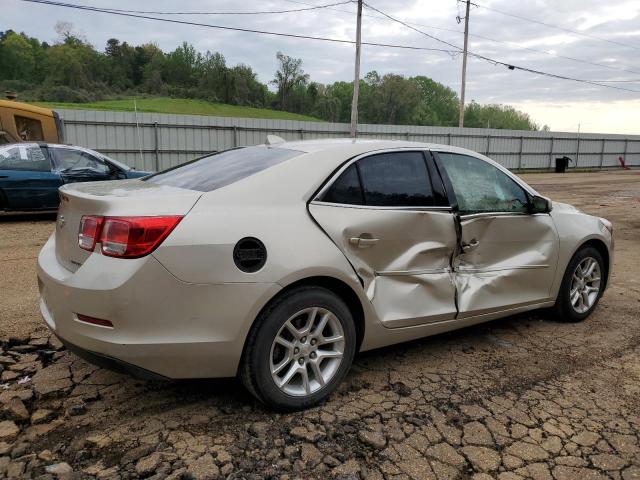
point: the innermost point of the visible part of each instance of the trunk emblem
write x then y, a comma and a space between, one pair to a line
61, 221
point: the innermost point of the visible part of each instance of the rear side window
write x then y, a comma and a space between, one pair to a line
346, 189
24, 157
215, 171
395, 179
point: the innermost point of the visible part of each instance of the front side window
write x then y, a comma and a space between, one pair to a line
68, 160
482, 188
215, 171
24, 157
395, 179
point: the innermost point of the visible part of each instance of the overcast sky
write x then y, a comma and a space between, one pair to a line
560, 104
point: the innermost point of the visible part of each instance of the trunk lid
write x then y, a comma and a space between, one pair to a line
112, 198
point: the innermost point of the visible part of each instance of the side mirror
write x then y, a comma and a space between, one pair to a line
541, 204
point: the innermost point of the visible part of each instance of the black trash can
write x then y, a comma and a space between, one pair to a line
562, 163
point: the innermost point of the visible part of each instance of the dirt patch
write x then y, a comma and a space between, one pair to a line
522, 397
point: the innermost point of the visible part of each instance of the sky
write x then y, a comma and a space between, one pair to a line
608, 35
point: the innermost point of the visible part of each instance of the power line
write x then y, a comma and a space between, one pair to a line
498, 62
549, 25
483, 37
455, 50
266, 12
236, 29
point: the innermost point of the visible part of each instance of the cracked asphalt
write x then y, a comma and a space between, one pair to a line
521, 397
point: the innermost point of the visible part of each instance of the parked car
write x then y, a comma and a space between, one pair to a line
31, 173
279, 262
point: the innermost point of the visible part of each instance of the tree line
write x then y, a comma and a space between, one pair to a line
72, 70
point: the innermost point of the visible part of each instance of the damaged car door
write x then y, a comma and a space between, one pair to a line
388, 214
508, 254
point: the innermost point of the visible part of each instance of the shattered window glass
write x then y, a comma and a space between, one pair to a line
482, 188
24, 157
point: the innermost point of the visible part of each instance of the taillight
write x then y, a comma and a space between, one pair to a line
129, 237
89, 232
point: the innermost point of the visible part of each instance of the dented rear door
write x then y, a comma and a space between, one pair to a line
507, 257
388, 218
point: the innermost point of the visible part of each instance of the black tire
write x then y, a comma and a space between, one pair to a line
255, 372
563, 310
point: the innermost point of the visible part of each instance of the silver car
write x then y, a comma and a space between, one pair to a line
277, 263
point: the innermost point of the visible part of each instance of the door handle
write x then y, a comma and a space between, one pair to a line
363, 241
468, 246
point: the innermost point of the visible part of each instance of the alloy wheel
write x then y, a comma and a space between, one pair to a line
585, 285
307, 351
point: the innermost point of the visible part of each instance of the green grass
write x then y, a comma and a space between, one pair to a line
181, 106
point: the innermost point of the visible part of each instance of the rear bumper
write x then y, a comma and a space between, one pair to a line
161, 325
111, 363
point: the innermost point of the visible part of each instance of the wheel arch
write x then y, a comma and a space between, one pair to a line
603, 250
338, 287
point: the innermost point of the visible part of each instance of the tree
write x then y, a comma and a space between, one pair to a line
288, 76
17, 58
497, 116
438, 104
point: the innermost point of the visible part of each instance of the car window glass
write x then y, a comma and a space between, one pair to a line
24, 157
480, 187
68, 160
346, 189
29, 129
396, 179
215, 171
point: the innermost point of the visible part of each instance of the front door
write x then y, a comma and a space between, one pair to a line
387, 214
507, 257
79, 166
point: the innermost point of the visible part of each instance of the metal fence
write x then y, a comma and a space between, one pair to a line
150, 141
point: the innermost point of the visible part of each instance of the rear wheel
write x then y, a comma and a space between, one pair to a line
300, 349
581, 287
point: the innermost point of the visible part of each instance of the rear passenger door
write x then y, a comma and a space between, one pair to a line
388, 214
26, 179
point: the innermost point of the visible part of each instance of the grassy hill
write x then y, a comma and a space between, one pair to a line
182, 106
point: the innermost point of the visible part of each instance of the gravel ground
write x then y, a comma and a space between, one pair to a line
522, 397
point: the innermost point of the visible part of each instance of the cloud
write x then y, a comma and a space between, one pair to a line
326, 62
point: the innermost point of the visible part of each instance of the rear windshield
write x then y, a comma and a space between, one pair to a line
215, 171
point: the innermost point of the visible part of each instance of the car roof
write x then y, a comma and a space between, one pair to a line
365, 145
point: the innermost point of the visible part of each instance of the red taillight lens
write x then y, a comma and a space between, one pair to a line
89, 232
131, 237
94, 321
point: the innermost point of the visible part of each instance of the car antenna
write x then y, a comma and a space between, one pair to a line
273, 140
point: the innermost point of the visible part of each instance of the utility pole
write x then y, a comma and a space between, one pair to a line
356, 82
464, 64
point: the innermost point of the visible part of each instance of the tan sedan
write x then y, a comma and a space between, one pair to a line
277, 263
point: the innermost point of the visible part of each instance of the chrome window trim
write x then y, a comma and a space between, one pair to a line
471, 216
379, 207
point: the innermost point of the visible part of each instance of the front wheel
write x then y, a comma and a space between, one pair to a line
300, 349
581, 286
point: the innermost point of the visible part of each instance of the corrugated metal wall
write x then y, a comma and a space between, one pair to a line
154, 141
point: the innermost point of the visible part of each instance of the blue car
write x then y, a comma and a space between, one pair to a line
31, 173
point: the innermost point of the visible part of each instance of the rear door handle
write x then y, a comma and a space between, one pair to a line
468, 246
363, 242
